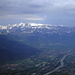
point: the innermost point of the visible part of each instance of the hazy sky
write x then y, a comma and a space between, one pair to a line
54, 12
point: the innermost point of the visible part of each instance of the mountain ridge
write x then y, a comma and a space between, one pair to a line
12, 50
34, 28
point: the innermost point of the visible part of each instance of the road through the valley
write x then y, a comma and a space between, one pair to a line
60, 66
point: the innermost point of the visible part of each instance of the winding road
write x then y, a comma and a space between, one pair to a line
61, 65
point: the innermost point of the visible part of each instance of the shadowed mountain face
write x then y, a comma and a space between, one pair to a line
11, 50
34, 35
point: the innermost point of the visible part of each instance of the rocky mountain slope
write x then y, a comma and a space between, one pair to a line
36, 28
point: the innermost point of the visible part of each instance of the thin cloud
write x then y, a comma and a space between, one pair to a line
32, 6
9, 9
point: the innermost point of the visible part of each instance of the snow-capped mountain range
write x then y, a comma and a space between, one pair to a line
34, 28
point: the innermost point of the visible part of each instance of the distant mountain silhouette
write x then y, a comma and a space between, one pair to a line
11, 50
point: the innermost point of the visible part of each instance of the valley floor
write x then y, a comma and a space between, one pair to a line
45, 63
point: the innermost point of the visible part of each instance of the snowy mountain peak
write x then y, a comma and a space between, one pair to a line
34, 28
33, 25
